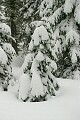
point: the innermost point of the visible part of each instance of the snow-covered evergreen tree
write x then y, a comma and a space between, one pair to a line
6, 51
64, 21
14, 19
38, 66
29, 13
54, 36
62, 24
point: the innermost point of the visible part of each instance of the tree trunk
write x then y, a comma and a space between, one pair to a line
13, 33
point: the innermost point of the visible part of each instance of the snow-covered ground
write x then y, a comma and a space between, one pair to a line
64, 106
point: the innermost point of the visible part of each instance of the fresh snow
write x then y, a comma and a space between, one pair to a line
24, 86
8, 48
16, 64
4, 28
69, 5
3, 56
77, 12
73, 37
36, 85
45, 7
73, 55
39, 34
54, 18
40, 56
17, 61
2, 16
64, 106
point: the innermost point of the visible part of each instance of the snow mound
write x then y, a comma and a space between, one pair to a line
39, 34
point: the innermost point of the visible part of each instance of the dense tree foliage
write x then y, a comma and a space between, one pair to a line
14, 19
62, 17
6, 52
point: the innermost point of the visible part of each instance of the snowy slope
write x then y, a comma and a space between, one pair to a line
65, 106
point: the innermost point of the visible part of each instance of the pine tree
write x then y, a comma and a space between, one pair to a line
38, 67
14, 19
54, 37
29, 13
65, 24
63, 17
6, 52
